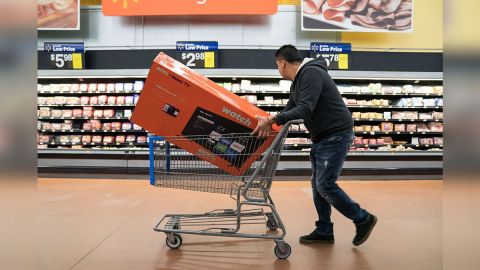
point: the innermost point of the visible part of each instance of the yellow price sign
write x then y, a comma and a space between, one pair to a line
343, 61
77, 61
209, 59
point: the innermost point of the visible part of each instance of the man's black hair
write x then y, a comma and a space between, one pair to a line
288, 53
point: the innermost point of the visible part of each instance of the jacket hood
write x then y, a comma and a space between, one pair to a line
318, 62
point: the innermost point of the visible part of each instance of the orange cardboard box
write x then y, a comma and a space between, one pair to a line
178, 101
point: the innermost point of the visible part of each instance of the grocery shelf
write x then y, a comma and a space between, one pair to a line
83, 118
397, 120
86, 93
92, 131
86, 105
95, 144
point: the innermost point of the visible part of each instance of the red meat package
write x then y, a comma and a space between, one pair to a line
107, 126
121, 100
358, 140
93, 100
98, 113
96, 124
120, 139
131, 138
400, 127
77, 112
108, 113
436, 127
141, 139
411, 128
87, 111
87, 126
86, 139
111, 100
84, 100
372, 141
380, 141
102, 100
116, 125
126, 126
92, 87
108, 139
67, 113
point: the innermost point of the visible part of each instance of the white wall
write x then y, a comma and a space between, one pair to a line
102, 32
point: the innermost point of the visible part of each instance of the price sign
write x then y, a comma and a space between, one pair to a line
335, 54
65, 55
198, 54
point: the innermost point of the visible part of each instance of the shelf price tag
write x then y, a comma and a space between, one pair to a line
197, 54
65, 55
335, 54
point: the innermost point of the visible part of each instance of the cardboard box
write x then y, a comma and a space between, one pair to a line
178, 101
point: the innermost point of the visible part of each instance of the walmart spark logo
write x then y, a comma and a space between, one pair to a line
125, 3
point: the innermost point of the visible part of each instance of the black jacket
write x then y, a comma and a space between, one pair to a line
314, 97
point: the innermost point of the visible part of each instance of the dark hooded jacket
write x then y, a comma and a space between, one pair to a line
315, 98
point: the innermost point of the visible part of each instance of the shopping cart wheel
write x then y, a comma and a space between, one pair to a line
282, 250
175, 241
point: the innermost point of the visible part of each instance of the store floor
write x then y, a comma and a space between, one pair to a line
107, 224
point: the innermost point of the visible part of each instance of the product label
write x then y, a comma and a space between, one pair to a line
221, 136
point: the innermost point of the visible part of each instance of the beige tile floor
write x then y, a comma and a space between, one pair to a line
107, 224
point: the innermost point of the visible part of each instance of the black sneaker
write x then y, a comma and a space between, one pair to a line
364, 229
315, 237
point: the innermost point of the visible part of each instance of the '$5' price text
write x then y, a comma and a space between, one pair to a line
60, 59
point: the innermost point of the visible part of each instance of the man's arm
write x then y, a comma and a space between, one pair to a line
309, 93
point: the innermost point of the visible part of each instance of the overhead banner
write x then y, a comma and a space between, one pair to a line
188, 7
58, 14
357, 15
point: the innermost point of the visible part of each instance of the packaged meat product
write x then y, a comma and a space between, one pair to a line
411, 128
111, 100
92, 87
138, 86
417, 101
371, 115
118, 113
439, 102
356, 115
437, 115
60, 100
87, 126
358, 128
375, 128
66, 126
98, 113
75, 87
438, 140
73, 100
429, 102
364, 116
438, 90
56, 126
387, 115
135, 99
351, 101
96, 124
42, 146
41, 101
426, 141
120, 139
372, 141
67, 113
65, 139
121, 100
387, 90
108, 139
127, 113
436, 127
76, 138
385, 102
43, 139
77, 112
55, 87
407, 89
426, 116
141, 139
83, 87
108, 113
411, 115
126, 126
137, 127
119, 87
365, 141
84, 100
409, 102
357, 140
102, 99
96, 139
101, 87
116, 125
377, 102
388, 140
110, 87
86, 139
131, 138
107, 126
93, 100
400, 127
380, 141
378, 116
50, 100
422, 127
367, 128
56, 113
44, 112
46, 125
128, 87
87, 111
398, 115
129, 100
386, 127
375, 87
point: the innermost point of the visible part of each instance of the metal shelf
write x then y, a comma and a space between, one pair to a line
86, 93
83, 118
91, 131
85, 105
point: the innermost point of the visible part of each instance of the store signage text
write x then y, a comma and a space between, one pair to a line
335, 54
197, 54
65, 55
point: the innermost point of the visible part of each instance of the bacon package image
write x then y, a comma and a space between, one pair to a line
178, 101
357, 15
58, 14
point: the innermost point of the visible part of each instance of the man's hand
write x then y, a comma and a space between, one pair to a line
264, 126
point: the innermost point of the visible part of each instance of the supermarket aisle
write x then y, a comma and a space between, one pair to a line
107, 224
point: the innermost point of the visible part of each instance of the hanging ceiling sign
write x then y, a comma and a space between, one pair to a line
188, 7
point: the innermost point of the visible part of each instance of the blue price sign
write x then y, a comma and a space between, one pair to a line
198, 54
65, 55
335, 54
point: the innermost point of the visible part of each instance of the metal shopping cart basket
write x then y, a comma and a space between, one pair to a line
172, 167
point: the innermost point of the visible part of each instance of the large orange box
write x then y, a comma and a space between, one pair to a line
178, 101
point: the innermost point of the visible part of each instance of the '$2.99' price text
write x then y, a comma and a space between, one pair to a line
60, 59
192, 57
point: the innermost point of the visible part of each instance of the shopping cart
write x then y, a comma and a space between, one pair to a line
172, 167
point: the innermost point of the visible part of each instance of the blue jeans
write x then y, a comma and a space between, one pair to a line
327, 157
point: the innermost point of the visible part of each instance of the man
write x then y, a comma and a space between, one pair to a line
314, 97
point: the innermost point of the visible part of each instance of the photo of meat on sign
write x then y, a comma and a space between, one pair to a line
357, 15
58, 14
